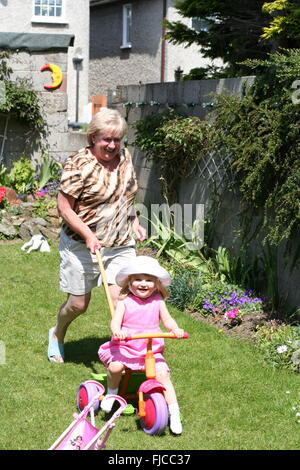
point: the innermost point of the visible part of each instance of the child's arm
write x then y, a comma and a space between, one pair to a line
169, 322
116, 322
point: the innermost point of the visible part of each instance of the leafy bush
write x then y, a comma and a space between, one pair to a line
280, 345
184, 287
24, 179
168, 244
23, 102
217, 298
49, 170
41, 206
4, 177
175, 142
261, 133
21, 176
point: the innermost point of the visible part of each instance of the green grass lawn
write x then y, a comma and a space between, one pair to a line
230, 399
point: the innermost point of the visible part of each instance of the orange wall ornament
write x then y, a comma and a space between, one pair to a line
56, 76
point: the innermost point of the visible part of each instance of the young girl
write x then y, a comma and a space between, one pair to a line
140, 309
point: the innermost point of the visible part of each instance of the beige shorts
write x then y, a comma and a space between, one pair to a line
79, 268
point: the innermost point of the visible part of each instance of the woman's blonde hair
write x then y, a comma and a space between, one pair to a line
106, 120
159, 287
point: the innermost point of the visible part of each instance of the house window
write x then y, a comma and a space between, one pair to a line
48, 11
127, 25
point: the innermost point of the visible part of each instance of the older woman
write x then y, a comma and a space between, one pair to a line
95, 201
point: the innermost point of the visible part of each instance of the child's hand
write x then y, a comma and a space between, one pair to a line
178, 332
120, 334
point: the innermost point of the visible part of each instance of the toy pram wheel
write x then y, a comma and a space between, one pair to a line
86, 392
156, 419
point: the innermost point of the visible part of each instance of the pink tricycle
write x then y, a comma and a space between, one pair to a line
82, 434
152, 406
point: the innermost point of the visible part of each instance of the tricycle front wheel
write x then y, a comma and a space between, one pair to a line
156, 419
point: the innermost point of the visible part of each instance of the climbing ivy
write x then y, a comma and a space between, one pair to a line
22, 101
174, 141
262, 133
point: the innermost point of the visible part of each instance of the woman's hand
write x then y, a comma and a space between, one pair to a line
139, 231
92, 243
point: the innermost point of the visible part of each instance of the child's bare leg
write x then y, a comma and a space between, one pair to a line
170, 394
171, 399
114, 374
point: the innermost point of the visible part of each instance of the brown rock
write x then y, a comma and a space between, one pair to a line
12, 197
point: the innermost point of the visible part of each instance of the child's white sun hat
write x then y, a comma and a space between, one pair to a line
143, 265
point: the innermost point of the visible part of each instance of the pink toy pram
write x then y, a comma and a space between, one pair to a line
83, 434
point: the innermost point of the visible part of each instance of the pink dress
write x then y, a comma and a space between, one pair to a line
140, 316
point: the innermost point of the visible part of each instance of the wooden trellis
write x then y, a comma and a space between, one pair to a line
216, 168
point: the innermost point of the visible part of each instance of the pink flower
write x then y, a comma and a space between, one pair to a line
232, 313
2, 193
41, 194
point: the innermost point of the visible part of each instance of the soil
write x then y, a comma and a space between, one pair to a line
245, 330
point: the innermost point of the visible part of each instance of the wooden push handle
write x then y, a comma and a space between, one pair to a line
105, 284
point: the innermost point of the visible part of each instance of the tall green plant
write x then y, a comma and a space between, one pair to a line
174, 246
23, 102
49, 170
21, 177
4, 177
176, 142
261, 133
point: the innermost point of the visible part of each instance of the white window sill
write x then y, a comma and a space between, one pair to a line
49, 20
125, 46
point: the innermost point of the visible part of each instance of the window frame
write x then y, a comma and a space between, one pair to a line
126, 26
50, 19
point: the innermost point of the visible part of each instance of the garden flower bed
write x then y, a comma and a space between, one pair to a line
22, 220
204, 293
28, 200
245, 330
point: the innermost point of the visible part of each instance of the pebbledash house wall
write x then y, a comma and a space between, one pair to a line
61, 140
148, 58
194, 98
16, 20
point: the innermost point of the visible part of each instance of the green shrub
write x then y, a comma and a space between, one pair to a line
280, 345
49, 171
21, 176
4, 177
41, 206
176, 142
260, 131
217, 298
184, 288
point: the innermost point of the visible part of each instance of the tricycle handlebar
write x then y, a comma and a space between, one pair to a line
151, 335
